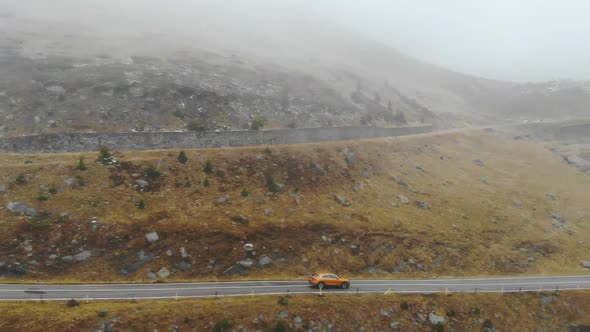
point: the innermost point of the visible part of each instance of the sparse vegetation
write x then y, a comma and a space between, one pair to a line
81, 164
21, 179
103, 313
271, 185
400, 117
41, 197
198, 126
268, 151
258, 122
439, 327
105, 157
152, 173
280, 326
72, 303
451, 313
28, 162
206, 182
208, 167
80, 181
52, 190
182, 158
476, 311
141, 204
488, 324
244, 193
404, 305
222, 325
283, 300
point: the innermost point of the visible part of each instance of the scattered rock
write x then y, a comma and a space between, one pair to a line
298, 321
151, 275
30, 212
394, 324
517, 204
484, 181
403, 199
184, 266
84, 255
264, 261
163, 273
304, 259
152, 237
341, 200
169, 253
143, 184
296, 198
183, 252
248, 247
435, 319
2, 188
53, 256
422, 205
349, 156
586, 264
17, 207
384, 313
478, 162
234, 269
421, 317
578, 162
547, 299
71, 181
161, 165
284, 314
246, 263
393, 204
551, 196
240, 219
29, 248
223, 200
67, 259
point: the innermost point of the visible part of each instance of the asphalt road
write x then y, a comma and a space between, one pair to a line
34, 292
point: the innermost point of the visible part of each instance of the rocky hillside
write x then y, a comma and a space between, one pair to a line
438, 312
389, 207
65, 75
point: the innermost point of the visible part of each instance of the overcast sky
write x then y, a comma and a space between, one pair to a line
519, 40
504, 39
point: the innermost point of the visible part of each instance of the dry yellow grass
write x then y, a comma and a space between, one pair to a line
473, 223
507, 312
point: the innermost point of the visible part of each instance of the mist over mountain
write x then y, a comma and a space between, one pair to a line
145, 65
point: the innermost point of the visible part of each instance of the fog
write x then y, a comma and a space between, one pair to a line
525, 40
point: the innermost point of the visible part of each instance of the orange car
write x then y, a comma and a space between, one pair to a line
324, 280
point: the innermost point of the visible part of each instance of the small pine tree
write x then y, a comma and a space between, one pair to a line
152, 173
208, 168
245, 193
206, 182
182, 158
72, 303
258, 122
81, 165
141, 204
20, 179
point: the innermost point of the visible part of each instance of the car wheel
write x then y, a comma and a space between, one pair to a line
344, 285
322, 285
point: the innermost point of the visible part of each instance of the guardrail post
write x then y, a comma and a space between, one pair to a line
519, 289
287, 292
87, 299
357, 291
475, 290
216, 293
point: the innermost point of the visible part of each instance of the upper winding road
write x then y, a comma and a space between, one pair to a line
28, 292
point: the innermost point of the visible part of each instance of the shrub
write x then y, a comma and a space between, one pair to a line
105, 157
280, 326
81, 164
197, 126
152, 173
187, 320
312, 165
103, 313
208, 167
72, 303
258, 122
476, 311
187, 183
42, 197
141, 204
222, 325
81, 181
206, 182
439, 327
271, 185
182, 158
21, 179
179, 114
292, 125
245, 193
488, 324
404, 305
268, 151
283, 301
451, 313
28, 162
52, 190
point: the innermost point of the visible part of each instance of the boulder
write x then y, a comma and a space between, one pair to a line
17, 207
143, 184
163, 273
517, 204
422, 205
298, 321
478, 162
151, 275
183, 252
284, 314
435, 319
394, 324
223, 200
30, 212
586, 264
246, 263
152, 237
2, 188
53, 256
403, 199
67, 258
384, 313
84, 255
264, 261
341, 200
578, 162
71, 181
184, 266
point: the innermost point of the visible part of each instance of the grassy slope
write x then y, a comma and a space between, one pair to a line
508, 312
473, 227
